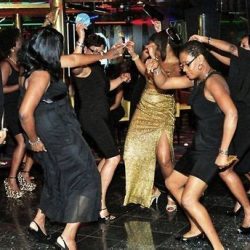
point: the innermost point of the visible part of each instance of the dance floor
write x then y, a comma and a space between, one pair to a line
134, 228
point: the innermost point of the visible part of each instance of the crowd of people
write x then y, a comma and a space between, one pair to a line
46, 129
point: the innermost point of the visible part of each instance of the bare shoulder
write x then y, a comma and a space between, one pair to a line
38, 77
216, 82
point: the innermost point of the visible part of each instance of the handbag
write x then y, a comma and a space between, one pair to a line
3, 131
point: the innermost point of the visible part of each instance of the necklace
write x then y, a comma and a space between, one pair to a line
12, 60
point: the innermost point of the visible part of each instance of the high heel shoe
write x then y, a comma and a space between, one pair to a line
155, 196
200, 236
25, 185
107, 217
10, 192
61, 243
37, 233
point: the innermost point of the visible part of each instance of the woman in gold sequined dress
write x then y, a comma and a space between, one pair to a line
150, 134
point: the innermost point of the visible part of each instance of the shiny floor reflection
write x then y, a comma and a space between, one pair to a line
134, 228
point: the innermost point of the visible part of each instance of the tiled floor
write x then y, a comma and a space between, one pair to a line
134, 228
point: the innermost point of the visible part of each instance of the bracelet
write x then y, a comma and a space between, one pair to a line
208, 39
38, 140
157, 71
80, 44
223, 152
135, 58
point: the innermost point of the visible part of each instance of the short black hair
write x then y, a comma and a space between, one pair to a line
194, 48
95, 40
8, 38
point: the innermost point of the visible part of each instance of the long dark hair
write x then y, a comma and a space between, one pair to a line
43, 52
8, 38
165, 37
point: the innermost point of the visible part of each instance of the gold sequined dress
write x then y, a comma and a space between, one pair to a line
154, 115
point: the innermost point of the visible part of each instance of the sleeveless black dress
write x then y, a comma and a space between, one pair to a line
11, 103
199, 159
71, 190
94, 110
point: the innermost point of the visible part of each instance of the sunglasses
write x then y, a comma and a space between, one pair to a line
95, 51
187, 64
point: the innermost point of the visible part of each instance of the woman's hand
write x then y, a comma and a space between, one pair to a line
221, 160
201, 39
80, 29
151, 65
157, 25
130, 45
37, 146
125, 77
151, 50
114, 52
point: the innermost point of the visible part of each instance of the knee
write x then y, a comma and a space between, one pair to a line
171, 185
115, 160
187, 201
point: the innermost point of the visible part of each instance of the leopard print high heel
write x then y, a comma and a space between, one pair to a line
25, 185
10, 192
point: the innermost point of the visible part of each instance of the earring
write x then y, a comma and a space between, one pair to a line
200, 66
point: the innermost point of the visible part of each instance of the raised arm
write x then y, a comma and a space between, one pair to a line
135, 57
80, 29
219, 44
223, 59
218, 89
77, 60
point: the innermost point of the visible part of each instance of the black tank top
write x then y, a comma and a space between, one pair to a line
12, 97
209, 117
92, 92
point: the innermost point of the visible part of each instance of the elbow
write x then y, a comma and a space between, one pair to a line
23, 116
233, 116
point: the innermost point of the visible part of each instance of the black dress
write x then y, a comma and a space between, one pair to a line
199, 159
71, 190
11, 103
94, 110
239, 84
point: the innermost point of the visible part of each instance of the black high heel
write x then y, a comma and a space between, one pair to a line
37, 233
61, 243
106, 218
198, 237
243, 230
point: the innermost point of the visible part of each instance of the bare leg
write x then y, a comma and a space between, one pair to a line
69, 235
165, 161
194, 189
40, 220
27, 167
107, 172
235, 185
16, 161
175, 184
101, 164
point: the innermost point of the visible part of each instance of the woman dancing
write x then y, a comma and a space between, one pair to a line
215, 130
71, 191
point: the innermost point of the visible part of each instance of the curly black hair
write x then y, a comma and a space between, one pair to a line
8, 38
